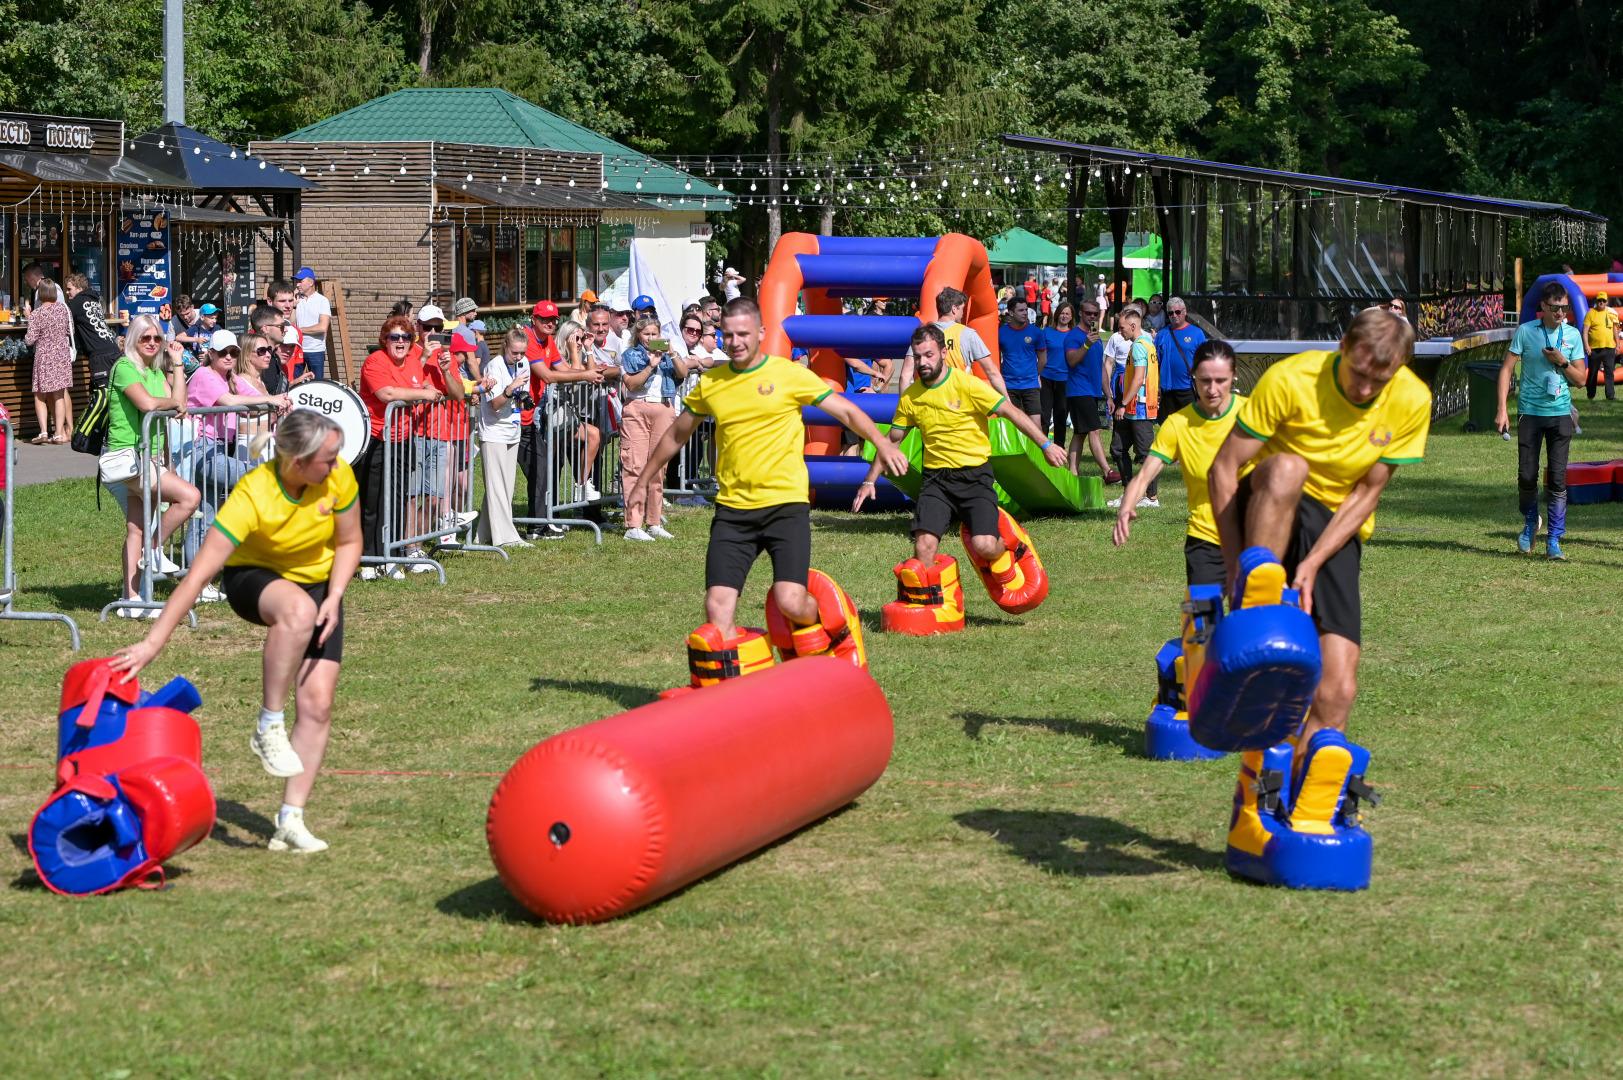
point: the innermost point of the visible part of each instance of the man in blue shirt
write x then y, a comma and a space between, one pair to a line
1551, 352
1085, 389
1175, 347
1021, 354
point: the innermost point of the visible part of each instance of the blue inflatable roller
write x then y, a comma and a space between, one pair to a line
870, 337
865, 275
880, 408
1167, 738
834, 482
1307, 834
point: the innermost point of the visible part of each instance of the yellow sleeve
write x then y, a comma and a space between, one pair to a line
1165, 446
803, 387
695, 401
1408, 445
345, 488
981, 395
905, 417
1268, 406
238, 519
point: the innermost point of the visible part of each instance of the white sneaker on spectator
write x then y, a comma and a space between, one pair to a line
210, 595
275, 752
292, 835
393, 572
658, 533
638, 534
667, 504
369, 573
419, 568
130, 613
466, 518
591, 492
1114, 503
1149, 503
163, 565
520, 543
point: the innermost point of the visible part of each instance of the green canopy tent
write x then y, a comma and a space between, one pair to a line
1143, 258
1017, 247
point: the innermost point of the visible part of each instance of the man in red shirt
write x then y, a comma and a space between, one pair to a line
546, 366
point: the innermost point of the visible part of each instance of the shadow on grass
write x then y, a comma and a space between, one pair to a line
489, 899
71, 598
1080, 845
1509, 550
1128, 739
622, 694
249, 821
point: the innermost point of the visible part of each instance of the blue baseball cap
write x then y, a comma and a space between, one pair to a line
304, 272
208, 309
642, 302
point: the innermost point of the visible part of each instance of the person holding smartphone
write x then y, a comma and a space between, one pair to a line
649, 374
1551, 352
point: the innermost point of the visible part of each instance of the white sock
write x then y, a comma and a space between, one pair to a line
267, 718
287, 812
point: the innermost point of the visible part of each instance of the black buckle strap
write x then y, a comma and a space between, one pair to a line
835, 640
921, 595
1020, 550
726, 658
1359, 791
1270, 782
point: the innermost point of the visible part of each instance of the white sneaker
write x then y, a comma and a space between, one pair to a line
163, 565
554, 532
291, 835
591, 491
421, 568
1114, 503
275, 752
210, 595
638, 534
369, 573
518, 544
1149, 503
466, 518
658, 533
393, 572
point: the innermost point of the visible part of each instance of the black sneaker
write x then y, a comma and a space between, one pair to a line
553, 532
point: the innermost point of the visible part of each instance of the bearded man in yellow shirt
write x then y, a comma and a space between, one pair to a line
1325, 432
764, 501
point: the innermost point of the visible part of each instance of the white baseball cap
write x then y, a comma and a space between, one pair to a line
221, 340
430, 312
291, 337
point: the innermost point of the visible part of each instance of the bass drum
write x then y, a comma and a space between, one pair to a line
344, 405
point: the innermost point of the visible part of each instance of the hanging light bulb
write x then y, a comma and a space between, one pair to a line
301, 170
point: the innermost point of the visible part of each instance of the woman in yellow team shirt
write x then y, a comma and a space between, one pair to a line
289, 539
1192, 436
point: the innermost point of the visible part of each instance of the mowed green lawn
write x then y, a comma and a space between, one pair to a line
1023, 894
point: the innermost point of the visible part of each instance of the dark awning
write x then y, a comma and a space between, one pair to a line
182, 214
88, 169
209, 164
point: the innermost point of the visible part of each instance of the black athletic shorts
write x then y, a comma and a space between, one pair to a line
965, 494
243, 584
1085, 413
738, 536
1337, 608
1202, 562
1029, 401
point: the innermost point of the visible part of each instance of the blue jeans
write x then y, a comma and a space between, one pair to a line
218, 470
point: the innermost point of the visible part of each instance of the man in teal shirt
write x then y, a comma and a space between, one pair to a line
1551, 352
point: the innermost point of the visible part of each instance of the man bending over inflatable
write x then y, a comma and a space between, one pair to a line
1323, 432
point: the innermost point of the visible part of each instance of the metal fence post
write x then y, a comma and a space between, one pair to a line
8, 589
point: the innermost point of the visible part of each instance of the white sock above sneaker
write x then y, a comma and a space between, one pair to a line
268, 718
288, 811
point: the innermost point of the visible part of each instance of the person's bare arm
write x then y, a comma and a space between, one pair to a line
635, 381
1349, 517
896, 435
854, 419
1129, 499
346, 559
211, 556
994, 375
1222, 485
1576, 372
386, 394
1052, 453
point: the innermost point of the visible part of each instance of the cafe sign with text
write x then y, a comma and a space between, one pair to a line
60, 134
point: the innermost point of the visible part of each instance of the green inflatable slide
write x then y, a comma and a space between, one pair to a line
1026, 484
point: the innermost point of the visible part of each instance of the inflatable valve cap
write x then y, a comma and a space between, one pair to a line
713, 658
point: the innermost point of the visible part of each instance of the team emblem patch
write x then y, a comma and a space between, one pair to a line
1381, 439
324, 508
955, 404
764, 388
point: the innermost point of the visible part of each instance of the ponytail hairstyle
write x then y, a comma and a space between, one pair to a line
298, 437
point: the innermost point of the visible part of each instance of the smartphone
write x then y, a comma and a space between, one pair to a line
659, 345
443, 340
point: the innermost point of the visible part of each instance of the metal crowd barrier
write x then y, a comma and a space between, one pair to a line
8, 586
428, 483
696, 463
562, 465
208, 448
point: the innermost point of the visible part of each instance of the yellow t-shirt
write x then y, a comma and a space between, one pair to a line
1600, 328
1192, 438
758, 430
951, 416
1298, 407
953, 353
270, 529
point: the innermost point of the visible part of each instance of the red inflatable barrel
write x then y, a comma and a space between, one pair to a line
598, 821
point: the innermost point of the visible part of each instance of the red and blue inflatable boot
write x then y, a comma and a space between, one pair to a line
130, 785
1016, 580
1166, 732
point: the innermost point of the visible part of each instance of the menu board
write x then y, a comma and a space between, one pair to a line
87, 249
143, 262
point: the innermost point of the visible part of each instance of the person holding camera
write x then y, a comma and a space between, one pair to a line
649, 373
506, 379
1551, 352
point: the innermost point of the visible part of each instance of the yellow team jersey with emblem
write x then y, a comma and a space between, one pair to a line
761, 460
1192, 438
1600, 328
1298, 407
951, 416
297, 539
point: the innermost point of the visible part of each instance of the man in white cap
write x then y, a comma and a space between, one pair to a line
729, 281
313, 316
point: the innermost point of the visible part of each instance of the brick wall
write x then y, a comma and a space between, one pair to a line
382, 255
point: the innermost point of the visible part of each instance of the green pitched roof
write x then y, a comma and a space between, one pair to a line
492, 117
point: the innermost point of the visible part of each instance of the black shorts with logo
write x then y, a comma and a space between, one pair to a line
1028, 400
737, 537
243, 584
1337, 607
965, 494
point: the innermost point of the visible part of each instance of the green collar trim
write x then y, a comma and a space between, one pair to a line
946, 373
753, 367
276, 472
1225, 412
1335, 377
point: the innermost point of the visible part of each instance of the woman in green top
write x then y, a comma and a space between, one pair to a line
140, 386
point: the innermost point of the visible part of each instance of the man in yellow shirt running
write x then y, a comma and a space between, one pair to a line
1600, 332
1324, 432
950, 408
764, 502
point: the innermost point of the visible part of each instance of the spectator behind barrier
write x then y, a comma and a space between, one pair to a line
141, 385
650, 377
272, 325
50, 332
505, 376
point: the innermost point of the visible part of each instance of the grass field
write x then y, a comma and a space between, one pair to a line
1022, 895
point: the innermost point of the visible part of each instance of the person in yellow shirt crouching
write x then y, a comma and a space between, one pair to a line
950, 408
1600, 333
289, 540
1191, 436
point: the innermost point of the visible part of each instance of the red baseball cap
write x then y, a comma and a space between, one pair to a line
461, 344
546, 309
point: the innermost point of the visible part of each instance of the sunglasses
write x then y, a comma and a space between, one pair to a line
232, 351
692, 329
144, 338
1552, 307
262, 350
399, 337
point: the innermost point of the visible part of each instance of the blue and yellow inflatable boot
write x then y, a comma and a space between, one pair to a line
1166, 732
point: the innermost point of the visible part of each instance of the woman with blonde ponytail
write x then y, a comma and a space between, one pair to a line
289, 540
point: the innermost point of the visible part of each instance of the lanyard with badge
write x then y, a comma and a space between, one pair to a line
1553, 381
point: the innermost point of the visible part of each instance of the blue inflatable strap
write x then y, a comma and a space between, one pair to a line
834, 481
864, 275
178, 694
1261, 669
85, 844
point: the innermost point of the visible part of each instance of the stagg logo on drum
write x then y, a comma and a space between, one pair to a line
325, 406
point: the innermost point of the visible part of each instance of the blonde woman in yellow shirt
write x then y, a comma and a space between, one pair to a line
289, 541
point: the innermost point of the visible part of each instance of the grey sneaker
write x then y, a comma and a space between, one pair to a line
658, 532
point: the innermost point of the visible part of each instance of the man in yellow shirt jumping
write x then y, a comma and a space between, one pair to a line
950, 408
1600, 332
1324, 431
764, 502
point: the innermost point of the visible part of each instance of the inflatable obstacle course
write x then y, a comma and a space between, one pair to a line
606, 818
130, 785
